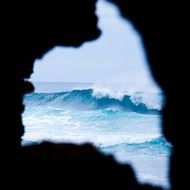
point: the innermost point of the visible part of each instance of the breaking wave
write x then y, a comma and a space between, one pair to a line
89, 99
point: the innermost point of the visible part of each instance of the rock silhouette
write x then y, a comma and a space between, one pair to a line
30, 29
155, 21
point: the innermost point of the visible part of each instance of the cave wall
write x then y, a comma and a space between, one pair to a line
28, 31
160, 24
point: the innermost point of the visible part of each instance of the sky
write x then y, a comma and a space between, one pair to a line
116, 57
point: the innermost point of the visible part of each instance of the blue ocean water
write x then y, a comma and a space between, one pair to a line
122, 120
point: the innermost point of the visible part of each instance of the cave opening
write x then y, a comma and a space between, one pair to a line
101, 93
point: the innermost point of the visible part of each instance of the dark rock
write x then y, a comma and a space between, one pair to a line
30, 29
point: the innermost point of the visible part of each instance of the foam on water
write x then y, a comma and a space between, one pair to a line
124, 123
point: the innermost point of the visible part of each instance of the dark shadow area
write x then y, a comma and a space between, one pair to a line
156, 22
31, 29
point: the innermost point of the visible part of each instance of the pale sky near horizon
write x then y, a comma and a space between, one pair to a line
116, 57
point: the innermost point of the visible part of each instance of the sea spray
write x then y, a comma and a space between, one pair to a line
118, 121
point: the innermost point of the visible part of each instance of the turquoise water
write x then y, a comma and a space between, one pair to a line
122, 120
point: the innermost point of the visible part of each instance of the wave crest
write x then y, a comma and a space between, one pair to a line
153, 146
89, 99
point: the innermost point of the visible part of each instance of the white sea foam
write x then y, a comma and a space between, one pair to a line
131, 135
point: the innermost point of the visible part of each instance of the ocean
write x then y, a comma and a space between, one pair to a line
123, 120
